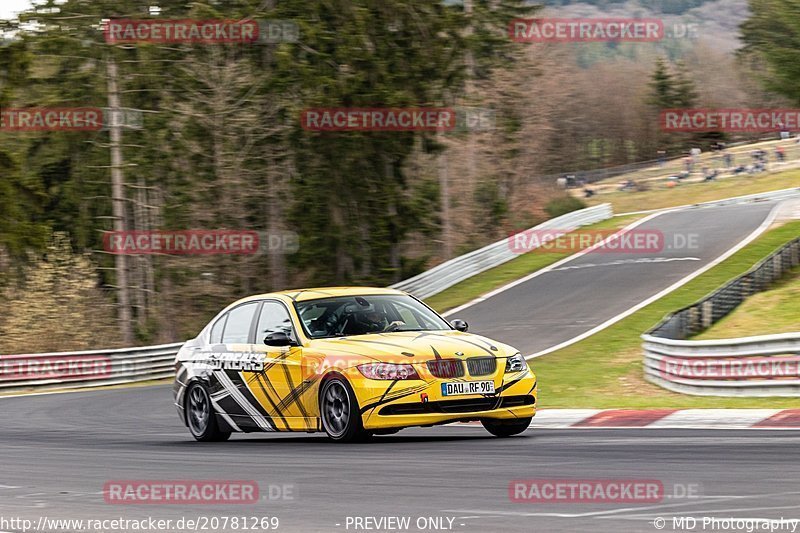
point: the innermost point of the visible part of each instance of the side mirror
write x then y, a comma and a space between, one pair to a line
459, 324
279, 338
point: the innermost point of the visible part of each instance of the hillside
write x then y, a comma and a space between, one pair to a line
717, 21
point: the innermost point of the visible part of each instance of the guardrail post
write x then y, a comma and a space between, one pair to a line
746, 286
693, 322
777, 266
707, 313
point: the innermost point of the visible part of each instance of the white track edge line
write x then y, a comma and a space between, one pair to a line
741, 244
548, 268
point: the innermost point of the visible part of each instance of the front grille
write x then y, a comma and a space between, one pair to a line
481, 366
471, 405
446, 368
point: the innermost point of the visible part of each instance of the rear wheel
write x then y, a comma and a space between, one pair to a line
506, 428
338, 407
200, 416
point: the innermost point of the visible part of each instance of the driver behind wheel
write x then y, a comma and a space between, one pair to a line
370, 321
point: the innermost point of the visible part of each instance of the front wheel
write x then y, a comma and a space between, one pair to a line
200, 416
339, 411
506, 428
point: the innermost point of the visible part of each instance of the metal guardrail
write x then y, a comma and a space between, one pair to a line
767, 365
701, 315
458, 269
59, 370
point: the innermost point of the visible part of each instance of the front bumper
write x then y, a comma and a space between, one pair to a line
420, 403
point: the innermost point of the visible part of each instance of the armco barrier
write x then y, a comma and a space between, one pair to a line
701, 315
458, 269
86, 368
110, 367
767, 365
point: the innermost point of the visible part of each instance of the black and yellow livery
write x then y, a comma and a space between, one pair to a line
350, 362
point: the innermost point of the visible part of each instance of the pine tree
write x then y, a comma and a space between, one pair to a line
684, 87
662, 86
772, 36
671, 89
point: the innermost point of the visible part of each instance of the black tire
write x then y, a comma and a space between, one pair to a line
200, 417
506, 428
339, 412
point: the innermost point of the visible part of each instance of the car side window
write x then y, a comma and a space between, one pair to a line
216, 330
237, 327
274, 318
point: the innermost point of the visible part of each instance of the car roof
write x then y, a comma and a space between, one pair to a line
301, 295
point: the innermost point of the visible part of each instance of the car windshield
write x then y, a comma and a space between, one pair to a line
360, 315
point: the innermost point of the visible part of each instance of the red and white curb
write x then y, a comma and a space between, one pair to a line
668, 418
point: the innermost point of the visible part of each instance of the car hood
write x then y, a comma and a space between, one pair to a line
412, 346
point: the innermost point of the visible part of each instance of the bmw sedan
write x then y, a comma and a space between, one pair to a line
349, 361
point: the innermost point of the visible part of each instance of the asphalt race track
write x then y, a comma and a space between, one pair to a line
588, 290
59, 450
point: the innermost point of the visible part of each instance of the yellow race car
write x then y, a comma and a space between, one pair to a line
350, 361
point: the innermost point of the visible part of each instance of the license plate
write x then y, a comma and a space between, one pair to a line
459, 388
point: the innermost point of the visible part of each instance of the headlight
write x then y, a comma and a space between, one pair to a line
516, 363
388, 371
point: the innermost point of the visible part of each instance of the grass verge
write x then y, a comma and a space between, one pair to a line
776, 310
513, 270
605, 370
690, 193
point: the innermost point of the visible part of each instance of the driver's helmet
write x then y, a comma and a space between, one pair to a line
371, 319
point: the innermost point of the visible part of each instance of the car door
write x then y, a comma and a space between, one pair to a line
232, 359
280, 386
